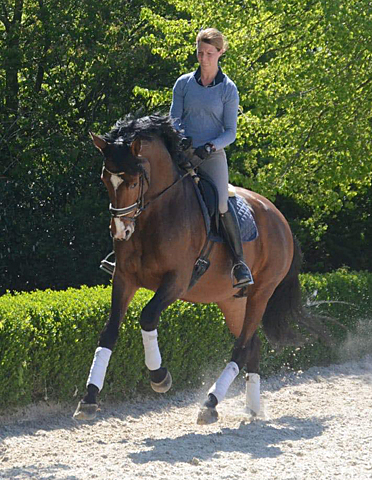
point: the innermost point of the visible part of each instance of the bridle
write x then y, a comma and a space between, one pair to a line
139, 206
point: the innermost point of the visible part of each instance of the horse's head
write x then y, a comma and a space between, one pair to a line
126, 179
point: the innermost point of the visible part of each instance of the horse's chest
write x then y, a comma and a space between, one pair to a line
155, 263
147, 267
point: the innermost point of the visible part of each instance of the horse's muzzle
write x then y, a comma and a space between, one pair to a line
120, 230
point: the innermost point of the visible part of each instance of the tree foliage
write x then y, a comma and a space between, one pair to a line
303, 69
65, 68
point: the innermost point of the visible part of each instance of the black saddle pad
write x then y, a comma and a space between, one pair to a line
209, 205
247, 223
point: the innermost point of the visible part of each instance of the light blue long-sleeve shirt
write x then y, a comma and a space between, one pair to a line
206, 114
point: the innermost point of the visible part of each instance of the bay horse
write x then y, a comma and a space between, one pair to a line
158, 233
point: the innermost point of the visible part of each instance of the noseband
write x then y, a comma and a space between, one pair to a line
136, 207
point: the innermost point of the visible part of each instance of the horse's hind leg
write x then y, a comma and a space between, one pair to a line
245, 353
246, 350
234, 312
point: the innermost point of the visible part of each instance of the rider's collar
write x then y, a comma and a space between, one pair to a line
217, 79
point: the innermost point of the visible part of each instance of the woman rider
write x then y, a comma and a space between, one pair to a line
205, 108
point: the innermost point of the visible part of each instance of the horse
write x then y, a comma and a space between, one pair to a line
155, 216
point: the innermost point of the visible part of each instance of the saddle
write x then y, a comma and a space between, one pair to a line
207, 195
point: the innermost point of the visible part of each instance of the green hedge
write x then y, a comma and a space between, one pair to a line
48, 338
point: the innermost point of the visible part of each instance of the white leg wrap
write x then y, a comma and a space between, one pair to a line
152, 352
219, 389
253, 392
99, 367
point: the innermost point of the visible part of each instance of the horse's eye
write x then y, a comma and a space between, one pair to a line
133, 185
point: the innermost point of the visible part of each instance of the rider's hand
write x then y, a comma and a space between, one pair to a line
204, 150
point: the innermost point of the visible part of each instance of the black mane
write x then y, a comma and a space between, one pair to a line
131, 127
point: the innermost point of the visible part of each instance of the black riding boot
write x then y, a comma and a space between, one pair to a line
231, 232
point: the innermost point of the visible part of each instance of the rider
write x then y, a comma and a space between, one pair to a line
205, 107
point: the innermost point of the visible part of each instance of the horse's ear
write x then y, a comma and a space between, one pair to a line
135, 147
98, 141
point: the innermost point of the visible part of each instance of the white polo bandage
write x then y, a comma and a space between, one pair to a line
252, 390
219, 389
152, 352
99, 366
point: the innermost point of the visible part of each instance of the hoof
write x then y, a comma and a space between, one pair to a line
86, 411
207, 416
163, 386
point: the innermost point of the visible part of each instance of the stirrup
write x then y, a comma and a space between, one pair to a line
107, 266
246, 280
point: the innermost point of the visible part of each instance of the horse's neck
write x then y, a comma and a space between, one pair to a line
163, 172
168, 195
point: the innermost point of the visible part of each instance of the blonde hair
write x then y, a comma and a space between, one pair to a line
214, 37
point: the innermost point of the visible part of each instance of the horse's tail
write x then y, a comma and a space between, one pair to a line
284, 309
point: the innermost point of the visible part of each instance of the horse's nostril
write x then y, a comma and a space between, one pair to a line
128, 232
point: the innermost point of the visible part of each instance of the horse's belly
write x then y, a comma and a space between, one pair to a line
209, 291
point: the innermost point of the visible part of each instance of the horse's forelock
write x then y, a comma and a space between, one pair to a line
120, 155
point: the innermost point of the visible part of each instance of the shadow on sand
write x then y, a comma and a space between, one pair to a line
260, 439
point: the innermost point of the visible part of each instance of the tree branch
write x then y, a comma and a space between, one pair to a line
4, 17
18, 10
366, 82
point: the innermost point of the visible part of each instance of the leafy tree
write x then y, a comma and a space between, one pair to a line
303, 69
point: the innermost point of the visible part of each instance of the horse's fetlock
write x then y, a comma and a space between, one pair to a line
91, 395
212, 401
158, 375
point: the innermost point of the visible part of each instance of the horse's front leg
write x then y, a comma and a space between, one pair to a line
167, 293
122, 293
